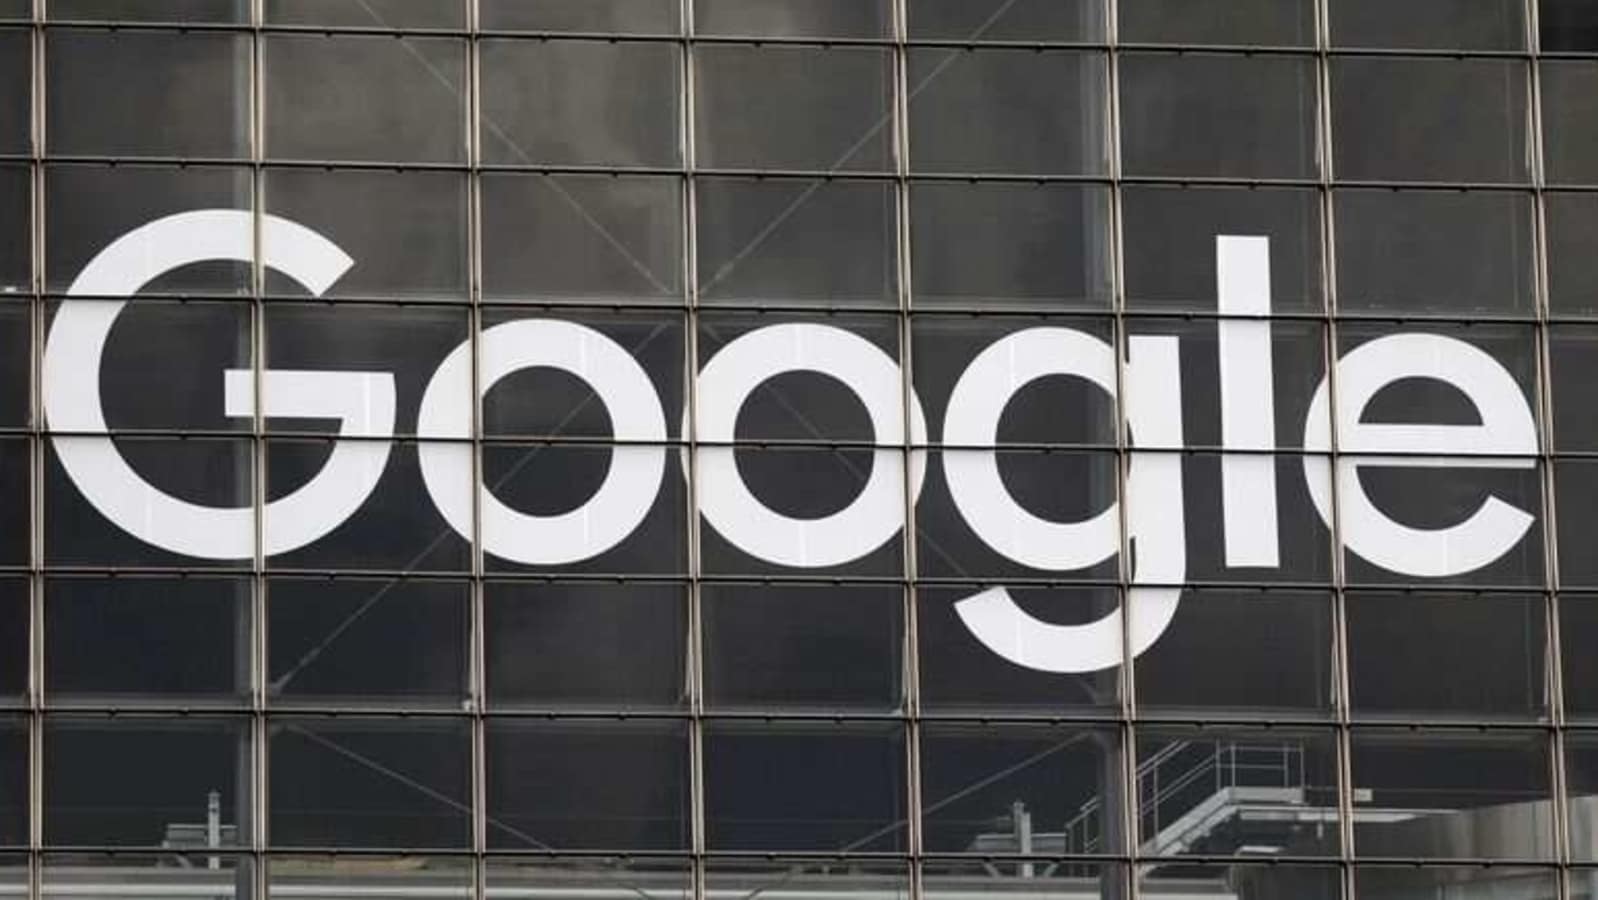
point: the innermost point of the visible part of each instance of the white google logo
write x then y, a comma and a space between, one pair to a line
1149, 380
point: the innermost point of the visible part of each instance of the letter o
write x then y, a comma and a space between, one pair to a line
875, 514
631, 485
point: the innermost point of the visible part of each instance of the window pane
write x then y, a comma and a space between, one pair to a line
1581, 783
362, 97
444, 877
217, 11
397, 529
368, 13
181, 763
1482, 795
1578, 630
793, 18
406, 231
1218, 115
586, 645
1007, 111
107, 88
16, 364
1264, 881
834, 102
1570, 124
388, 783
1230, 22
207, 471
1572, 368
960, 674
1004, 244
406, 343
367, 641
1567, 25
1420, 654
842, 786
802, 648
997, 20
15, 622
135, 639
1376, 882
1447, 253
14, 779
1184, 772
659, 879
1429, 119
88, 207
169, 358
16, 67
16, 253
580, 103
1572, 220
981, 785
1429, 24
787, 241
1576, 504
1170, 243
964, 877
582, 237
1235, 652
584, 785
607, 16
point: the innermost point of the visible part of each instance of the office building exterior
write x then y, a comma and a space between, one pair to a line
799, 449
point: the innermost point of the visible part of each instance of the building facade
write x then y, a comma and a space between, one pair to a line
798, 449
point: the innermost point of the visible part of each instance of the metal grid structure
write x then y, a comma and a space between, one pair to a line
894, 855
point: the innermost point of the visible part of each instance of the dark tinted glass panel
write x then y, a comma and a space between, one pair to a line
370, 783
983, 786
1572, 368
587, 785
1275, 22
1184, 770
1416, 655
1572, 266
999, 20
1499, 783
92, 205
1170, 236
787, 241
15, 616
1581, 785
216, 11
1004, 244
803, 648
1568, 25
132, 93
587, 103
173, 356
1429, 119
171, 641
16, 62
368, 13
1578, 629
1218, 115
405, 230
359, 97
582, 237
1576, 505
1444, 253
1570, 123
14, 776
1007, 111
180, 765
843, 786
16, 253
794, 18
584, 645
835, 103
16, 355
1429, 24
1234, 652
374, 641
604, 16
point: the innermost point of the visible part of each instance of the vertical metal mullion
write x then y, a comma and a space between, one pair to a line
1344, 736
258, 614
1544, 398
690, 276
477, 682
1126, 709
910, 668
36, 452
